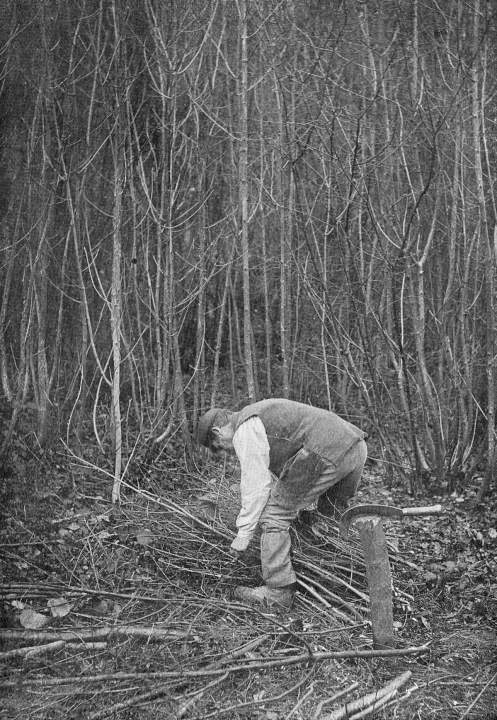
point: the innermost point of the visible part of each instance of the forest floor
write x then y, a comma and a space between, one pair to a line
129, 611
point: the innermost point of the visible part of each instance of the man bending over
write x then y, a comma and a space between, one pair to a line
291, 455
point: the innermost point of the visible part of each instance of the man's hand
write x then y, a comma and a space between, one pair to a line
236, 554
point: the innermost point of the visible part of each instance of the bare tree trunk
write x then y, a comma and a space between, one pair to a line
4, 370
268, 330
116, 314
491, 266
42, 379
284, 321
199, 366
490, 246
23, 367
220, 328
322, 323
40, 265
433, 428
243, 180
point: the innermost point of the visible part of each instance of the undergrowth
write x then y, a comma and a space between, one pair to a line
133, 610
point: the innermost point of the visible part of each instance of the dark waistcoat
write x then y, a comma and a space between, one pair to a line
291, 426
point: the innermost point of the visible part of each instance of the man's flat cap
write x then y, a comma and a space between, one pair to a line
213, 417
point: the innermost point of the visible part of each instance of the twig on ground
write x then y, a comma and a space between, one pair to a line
85, 645
262, 701
68, 589
370, 702
333, 578
317, 713
238, 652
300, 701
468, 709
198, 694
333, 655
356, 615
136, 700
374, 707
262, 664
32, 650
149, 633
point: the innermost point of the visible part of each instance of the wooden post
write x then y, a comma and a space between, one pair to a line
375, 551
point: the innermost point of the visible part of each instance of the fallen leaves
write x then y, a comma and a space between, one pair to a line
59, 607
145, 537
32, 620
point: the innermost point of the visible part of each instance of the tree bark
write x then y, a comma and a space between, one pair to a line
243, 193
116, 314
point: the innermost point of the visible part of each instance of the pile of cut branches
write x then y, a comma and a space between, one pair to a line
123, 611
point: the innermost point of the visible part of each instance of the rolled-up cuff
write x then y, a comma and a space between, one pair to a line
241, 543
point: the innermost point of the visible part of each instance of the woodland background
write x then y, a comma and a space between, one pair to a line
211, 202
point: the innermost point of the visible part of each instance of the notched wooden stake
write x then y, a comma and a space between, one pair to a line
374, 547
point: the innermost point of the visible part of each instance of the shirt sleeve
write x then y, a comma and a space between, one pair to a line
252, 449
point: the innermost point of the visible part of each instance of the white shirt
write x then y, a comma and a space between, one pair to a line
252, 449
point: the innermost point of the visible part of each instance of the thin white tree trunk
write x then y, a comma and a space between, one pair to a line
116, 313
243, 185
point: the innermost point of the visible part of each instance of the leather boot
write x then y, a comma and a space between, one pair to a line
277, 598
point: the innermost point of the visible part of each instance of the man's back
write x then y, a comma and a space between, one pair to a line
292, 425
